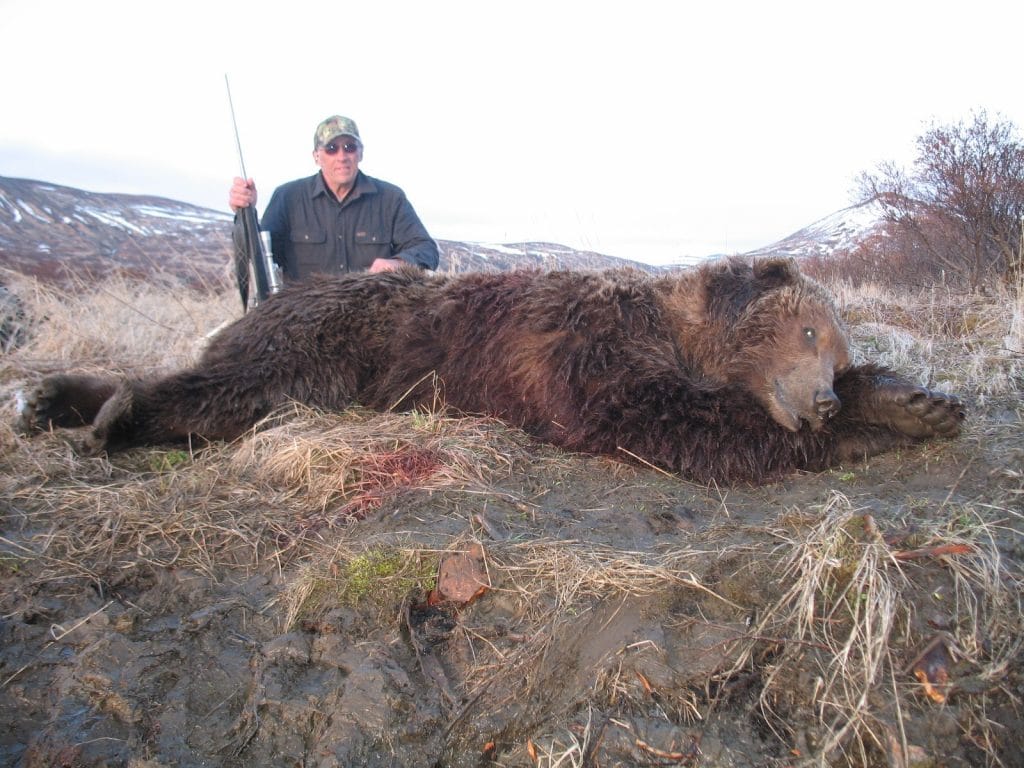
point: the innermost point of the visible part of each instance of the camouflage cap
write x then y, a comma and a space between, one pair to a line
332, 128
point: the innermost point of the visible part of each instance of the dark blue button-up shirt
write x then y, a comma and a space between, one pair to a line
312, 232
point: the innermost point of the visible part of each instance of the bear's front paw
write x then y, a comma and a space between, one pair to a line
43, 407
919, 412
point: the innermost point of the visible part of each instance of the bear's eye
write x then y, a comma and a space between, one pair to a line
809, 334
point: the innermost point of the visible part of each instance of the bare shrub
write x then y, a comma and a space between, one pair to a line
958, 212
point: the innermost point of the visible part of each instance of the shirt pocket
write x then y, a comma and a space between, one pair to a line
370, 245
310, 249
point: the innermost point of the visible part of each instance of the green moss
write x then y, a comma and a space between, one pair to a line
168, 461
365, 574
377, 577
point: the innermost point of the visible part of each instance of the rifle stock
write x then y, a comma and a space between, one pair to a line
255, 254
249, 253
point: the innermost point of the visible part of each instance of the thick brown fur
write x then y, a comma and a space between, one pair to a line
733, 371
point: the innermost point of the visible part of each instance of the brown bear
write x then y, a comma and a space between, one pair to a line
731, 371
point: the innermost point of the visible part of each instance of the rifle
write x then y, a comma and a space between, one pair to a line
250, 252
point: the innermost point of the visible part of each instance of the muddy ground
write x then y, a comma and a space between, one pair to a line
299, 599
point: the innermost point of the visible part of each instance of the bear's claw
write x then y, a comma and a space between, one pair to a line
36, 410
25, 415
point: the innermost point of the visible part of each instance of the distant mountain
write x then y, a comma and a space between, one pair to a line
484, 257
838, 234
62, 234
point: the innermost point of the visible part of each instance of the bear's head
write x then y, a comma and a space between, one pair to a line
784, 335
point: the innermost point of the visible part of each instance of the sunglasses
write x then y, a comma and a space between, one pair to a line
332, 148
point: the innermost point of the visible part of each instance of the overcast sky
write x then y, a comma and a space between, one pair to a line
647, 130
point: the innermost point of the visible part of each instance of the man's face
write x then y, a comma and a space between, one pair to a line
339, 161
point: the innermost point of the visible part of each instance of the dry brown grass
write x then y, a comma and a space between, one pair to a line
963, 343
273, 495
849, 623
119, 324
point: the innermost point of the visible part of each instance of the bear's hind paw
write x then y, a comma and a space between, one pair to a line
61, 400
44, 407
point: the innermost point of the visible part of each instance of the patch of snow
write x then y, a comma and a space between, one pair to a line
114, 219
31, 211
197, 217
501, 249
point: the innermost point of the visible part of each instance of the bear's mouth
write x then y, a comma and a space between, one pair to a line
814, 422
781, 412
788, 416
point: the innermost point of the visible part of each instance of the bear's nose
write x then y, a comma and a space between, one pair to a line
826, 404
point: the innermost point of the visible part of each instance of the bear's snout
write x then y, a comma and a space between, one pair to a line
826, 404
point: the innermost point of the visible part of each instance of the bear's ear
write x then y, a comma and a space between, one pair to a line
775, 272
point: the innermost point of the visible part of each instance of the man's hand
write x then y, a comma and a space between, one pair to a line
242, 194
386, 265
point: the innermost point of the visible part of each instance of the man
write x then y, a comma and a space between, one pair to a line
340, 219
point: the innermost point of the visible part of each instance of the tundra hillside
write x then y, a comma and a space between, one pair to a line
407, 589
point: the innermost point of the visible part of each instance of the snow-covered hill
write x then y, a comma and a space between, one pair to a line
60, 233
839, 233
